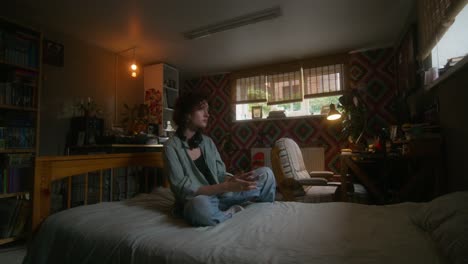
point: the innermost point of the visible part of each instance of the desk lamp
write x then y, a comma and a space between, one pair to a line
333, 114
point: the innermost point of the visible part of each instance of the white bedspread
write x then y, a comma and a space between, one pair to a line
142, 230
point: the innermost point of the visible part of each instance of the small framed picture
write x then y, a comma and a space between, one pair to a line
171, 98
256, 112
81, 138
53, 53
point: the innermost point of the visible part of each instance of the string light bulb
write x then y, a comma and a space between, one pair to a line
134, 67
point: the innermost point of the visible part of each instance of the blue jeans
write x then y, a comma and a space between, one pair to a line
204, 210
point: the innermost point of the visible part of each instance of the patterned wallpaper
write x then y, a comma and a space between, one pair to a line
371, 72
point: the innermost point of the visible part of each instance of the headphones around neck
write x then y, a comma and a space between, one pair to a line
194, 141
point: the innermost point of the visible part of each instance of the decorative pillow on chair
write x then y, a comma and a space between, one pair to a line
446, 219
291, 159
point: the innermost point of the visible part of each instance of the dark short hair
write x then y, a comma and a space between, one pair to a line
185, 105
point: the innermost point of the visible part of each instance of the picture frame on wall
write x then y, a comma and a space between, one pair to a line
53, 53
81, 138
256, 112
171, 97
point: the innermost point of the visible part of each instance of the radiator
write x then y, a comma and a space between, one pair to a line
314, 158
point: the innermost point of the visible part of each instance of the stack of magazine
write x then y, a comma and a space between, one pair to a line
15, 214
277, 114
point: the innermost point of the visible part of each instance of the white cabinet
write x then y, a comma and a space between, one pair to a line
161, 83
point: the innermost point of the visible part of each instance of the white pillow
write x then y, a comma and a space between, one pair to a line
446, 219
434, 213
452, 237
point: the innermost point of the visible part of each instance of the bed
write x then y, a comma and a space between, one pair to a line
143, 230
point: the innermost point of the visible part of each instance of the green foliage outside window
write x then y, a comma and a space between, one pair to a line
313, 106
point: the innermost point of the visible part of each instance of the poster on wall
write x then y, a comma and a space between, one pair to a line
260, 157
52, 53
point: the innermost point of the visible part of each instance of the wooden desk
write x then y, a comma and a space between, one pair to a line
349, 163
420, 169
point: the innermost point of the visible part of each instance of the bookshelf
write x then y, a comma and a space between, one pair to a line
161, 83
20, 71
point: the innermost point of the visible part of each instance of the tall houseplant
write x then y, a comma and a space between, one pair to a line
354, 116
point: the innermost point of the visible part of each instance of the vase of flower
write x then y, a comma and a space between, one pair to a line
137, 118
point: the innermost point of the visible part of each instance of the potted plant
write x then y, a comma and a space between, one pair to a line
137, 118
354, 117
88, 109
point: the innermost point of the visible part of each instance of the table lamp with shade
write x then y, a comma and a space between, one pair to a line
333, 114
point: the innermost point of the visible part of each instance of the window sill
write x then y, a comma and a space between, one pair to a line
447, 74
280, 118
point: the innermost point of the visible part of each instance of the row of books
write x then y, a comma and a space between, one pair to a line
16, 95
15, 214
17, 137
16, 172
421, 131
20, 48
17, 160
15, 180
17, 88
14, 118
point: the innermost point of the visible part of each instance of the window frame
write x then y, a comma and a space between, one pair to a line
339, 59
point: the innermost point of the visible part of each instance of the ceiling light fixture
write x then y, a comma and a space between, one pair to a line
236, 22
134, 67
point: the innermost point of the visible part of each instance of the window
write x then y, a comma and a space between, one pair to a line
250, 89
453, 45
302, 92
307, 107
434, 18
284, 87
319, 81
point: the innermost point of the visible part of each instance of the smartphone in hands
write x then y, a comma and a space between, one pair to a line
253, 177
248, 176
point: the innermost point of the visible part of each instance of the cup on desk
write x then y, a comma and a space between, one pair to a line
393, 132
431, 75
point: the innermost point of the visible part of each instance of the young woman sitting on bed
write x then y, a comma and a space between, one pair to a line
206, 195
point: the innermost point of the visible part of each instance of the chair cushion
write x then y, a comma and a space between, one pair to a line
291, 159
313, 181
293, 187
323, 174
319, 194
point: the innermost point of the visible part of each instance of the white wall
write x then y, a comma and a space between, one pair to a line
88, 71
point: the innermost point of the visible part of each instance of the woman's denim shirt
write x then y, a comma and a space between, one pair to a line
183, 174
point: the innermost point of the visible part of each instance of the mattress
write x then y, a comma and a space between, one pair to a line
143, 230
